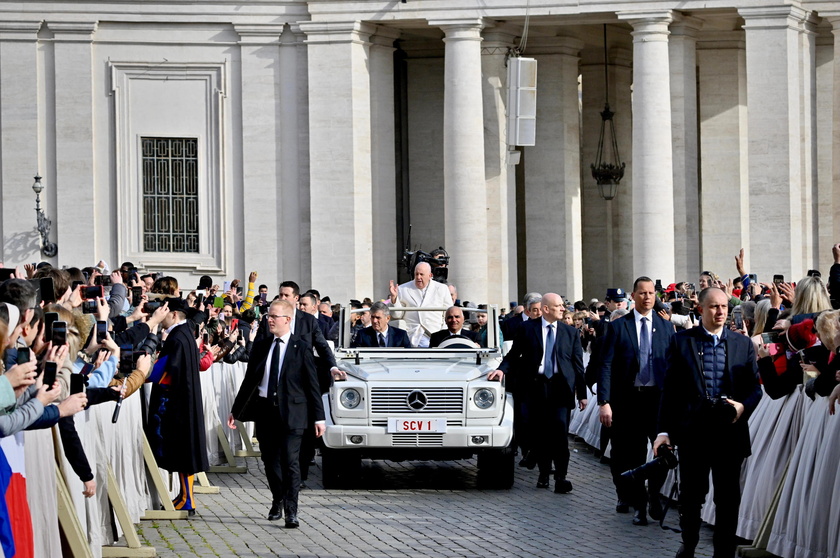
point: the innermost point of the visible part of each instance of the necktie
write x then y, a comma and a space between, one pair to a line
381, 340
274, 370
548, 367
644, 354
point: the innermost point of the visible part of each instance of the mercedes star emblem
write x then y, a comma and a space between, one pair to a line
416, 400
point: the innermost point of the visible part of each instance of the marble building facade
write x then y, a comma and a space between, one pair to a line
323, 130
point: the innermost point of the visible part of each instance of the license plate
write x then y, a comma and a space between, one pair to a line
414, 424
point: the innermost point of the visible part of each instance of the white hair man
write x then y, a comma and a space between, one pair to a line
421, 292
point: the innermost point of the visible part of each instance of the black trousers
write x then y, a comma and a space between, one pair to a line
280, 452
548, 422
634, 424
696, 460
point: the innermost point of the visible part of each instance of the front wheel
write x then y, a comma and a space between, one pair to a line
496, 468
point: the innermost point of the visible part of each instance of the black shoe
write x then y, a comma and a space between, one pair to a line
621, 507
639, 518
276, 512
562, 487
655, 509
191, 513
303, 485
685, 552
292, 521
542, 481
529, 461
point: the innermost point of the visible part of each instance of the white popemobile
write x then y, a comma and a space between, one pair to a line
419, 404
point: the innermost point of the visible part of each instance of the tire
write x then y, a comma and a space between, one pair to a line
496, 468
339, 468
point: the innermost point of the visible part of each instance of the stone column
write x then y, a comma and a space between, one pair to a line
607, 225
775, 158
499, 173
553, 173
725, 201
262, 199
683, 63
19, 144
808, 146
463, 158
653, 196
76, 219
340, 158
383, 160
828, 136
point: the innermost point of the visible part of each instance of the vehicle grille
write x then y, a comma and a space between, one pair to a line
439, 400
413, 439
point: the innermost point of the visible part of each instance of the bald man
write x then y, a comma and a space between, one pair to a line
421, 292
454, 327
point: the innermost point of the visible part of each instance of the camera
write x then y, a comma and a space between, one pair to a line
721, 412
660, 465
438, 259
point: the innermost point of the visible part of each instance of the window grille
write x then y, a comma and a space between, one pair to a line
170, 194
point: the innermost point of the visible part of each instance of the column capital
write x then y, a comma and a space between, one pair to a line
834, 20
258, 34
648, 25
497, 39
460, 29
385, 36
318, 32
568, 46
19, 30
686, 26
772, 17
73, 31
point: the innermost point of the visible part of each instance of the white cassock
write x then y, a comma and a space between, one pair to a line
420, 325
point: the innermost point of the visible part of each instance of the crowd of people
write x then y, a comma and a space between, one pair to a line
719, 369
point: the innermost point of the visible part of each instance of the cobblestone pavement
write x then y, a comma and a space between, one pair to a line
419, 509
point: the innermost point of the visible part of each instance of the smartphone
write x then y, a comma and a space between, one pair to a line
78, 382
6, 273
47, 288
226, 286
50, 372
76, 284
49, 319
770, 337
89, 307
263, 299
96, 291
738, 320
136, 295
753, 278
126, 360
101, 330
23, 355
59, 333
199, 299
206, 338
778, 279
103, 280
150, 307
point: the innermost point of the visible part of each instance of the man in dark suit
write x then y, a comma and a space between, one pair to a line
545, 368
379, 333
454, 319
711, 388
632, 370
280, 392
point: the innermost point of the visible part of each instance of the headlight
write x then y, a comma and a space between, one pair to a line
484, 398
350, 398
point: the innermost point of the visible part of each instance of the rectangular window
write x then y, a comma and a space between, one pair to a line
170, 194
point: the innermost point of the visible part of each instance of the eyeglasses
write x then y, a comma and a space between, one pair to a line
277, 317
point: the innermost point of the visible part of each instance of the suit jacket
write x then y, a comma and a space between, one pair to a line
368, 338
620, 356
438, 336
298, 391
418, 323
522, 363
683, 412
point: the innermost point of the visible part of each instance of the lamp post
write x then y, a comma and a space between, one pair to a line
49, 249
607, 172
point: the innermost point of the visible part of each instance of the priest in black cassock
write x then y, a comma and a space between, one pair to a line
175, 426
